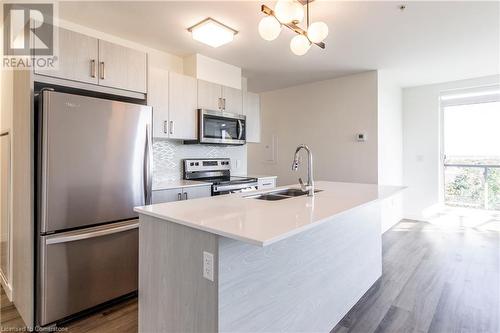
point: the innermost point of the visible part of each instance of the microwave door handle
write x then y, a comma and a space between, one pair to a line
240, 132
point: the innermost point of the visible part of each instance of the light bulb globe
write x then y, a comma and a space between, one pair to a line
269, 28
284, 11
299, 45
317, 32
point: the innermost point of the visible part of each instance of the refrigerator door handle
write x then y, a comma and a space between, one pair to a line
147, 167
98, 231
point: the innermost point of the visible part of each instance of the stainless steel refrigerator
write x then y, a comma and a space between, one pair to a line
93, 167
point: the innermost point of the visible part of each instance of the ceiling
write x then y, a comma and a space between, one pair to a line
428, 42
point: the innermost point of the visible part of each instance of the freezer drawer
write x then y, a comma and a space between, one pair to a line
84, 268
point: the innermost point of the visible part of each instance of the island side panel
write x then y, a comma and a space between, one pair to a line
304, 283
173, 295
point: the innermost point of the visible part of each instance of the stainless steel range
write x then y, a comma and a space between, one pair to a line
218, 172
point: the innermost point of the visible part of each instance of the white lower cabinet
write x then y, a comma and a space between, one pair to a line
160, 196
196, 192
182, 193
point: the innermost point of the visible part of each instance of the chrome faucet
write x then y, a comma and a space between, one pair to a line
295, 165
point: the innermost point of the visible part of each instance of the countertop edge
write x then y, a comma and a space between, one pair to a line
202, 228
267, 242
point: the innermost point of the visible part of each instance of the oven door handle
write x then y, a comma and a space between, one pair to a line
240, 131
240, 186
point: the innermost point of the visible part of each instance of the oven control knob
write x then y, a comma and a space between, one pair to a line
191, 164
197, 164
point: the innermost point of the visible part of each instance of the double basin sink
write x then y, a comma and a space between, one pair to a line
280, 194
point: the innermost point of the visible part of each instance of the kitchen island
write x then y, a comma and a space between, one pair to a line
235, 263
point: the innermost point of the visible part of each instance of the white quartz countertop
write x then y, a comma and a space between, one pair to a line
261, 222
170, 184
261, 176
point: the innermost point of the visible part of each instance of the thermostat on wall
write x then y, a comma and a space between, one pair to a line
361, 137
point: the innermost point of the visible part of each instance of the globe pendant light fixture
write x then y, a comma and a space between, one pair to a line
290, 13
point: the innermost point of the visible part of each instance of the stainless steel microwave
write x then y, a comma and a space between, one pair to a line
219, 127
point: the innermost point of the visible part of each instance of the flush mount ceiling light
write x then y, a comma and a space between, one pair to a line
289, 13
212, 32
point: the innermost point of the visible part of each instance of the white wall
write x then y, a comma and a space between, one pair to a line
421, 144
325, 115
390, 145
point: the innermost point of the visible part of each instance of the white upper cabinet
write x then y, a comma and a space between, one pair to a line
213, 96
77, 58
173, 98
232, 100
251, 108
209, 95
182, 107
122, 67
158, 99
90, 60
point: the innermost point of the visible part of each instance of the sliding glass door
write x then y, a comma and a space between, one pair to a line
471, 147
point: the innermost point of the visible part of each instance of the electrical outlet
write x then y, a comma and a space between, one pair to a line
208, 265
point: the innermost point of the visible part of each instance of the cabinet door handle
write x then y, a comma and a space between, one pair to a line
165, 125
224, 104
179, 196
185, 196
101, 70
171, 127
219, 103
92, 68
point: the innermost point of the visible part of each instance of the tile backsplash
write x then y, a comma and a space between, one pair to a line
168, 156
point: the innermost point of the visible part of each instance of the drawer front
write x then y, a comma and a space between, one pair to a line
170, 195
196, 192
84, 268
266, 183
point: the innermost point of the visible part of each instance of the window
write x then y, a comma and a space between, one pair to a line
471, 144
